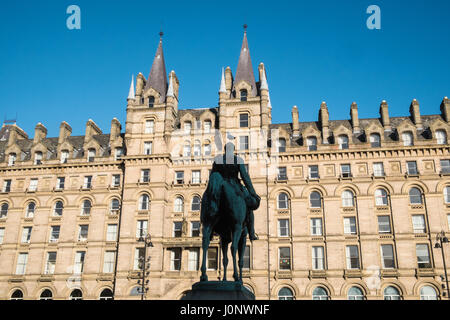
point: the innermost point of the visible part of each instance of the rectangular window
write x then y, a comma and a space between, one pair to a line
243, 120
108, 262
83, 231
411, 167
145, 175
246, 264
193, 254
12, 159
418, 221
115, 180
87, 182
79, 262
175, 259
384, 224
445, 166
311, 143
352, 257
60, 183
7, 186
195, 229
283, 228
91, 155
346, 171
282, 173
316, 226
243, 143
148, 148
177, 229
50, 263
423, 256
64, 156
317, 258
111, 232
118, 152
38, 158
138, 258
141, 229
212, 259
54, 233
179, 177
187, 127
387, 253
149, 126
26, 234
2, 235
33, 185
21, 263
207, 126
313, 172
350, 225
378, 169
196, 176
284, 258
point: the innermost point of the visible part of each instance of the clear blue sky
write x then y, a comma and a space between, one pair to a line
313, 51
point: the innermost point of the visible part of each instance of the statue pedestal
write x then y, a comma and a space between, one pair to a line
218, 290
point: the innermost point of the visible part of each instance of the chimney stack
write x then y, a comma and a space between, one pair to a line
295, 124
354, 117
415, 114
40, 132
384, 113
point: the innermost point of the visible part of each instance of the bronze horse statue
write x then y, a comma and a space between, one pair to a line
227, 210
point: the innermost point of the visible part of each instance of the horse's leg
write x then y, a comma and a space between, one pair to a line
225, 259
207, 229
234, 246
241, 252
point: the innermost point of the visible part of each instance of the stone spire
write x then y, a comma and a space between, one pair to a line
158, 77
223, 88
131, 94
244, 70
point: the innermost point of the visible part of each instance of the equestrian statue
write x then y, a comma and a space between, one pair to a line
227, 210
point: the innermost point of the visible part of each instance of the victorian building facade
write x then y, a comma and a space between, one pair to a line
350, 209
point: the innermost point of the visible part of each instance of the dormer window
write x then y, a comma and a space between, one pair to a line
375, 140
441, 137
343, 142
207, 126
312, 143
407, 138
38, 157
12, 159
281, 145
64, 156
151, 101
187, 127
91, 155
118, 153
243, 95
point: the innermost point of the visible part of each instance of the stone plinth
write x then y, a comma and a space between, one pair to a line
218, 290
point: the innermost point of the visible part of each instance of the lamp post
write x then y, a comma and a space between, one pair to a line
144, 265
440, 240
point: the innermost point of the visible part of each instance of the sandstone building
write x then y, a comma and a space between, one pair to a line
350, 209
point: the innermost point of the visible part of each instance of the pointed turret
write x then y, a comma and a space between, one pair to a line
170, 90
223, 88
131, 94
244, 70
158, 77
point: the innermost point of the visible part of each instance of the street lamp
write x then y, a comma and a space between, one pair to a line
144, 266
440, 240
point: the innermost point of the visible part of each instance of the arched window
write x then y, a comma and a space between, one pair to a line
187, 127
58, 208
447, 194
86, 208
4, 210
207, 126
407, 138
46, 295
285, 294
31, 207
375, 140
381, 197
320, 293
178, 204
144, 202
76, 295
197, 148
17, 295
114, 206
195, 203
38, 157
441, 137
311, 142
391, 293
106, 294
355, 293
415, 196
207, 148
283, 201
187, 149
315, 200
243, 95
343, 142
428, 293
281, 145
151, 101
348, 199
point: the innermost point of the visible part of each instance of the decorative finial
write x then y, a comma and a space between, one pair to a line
245, 27
161, 35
